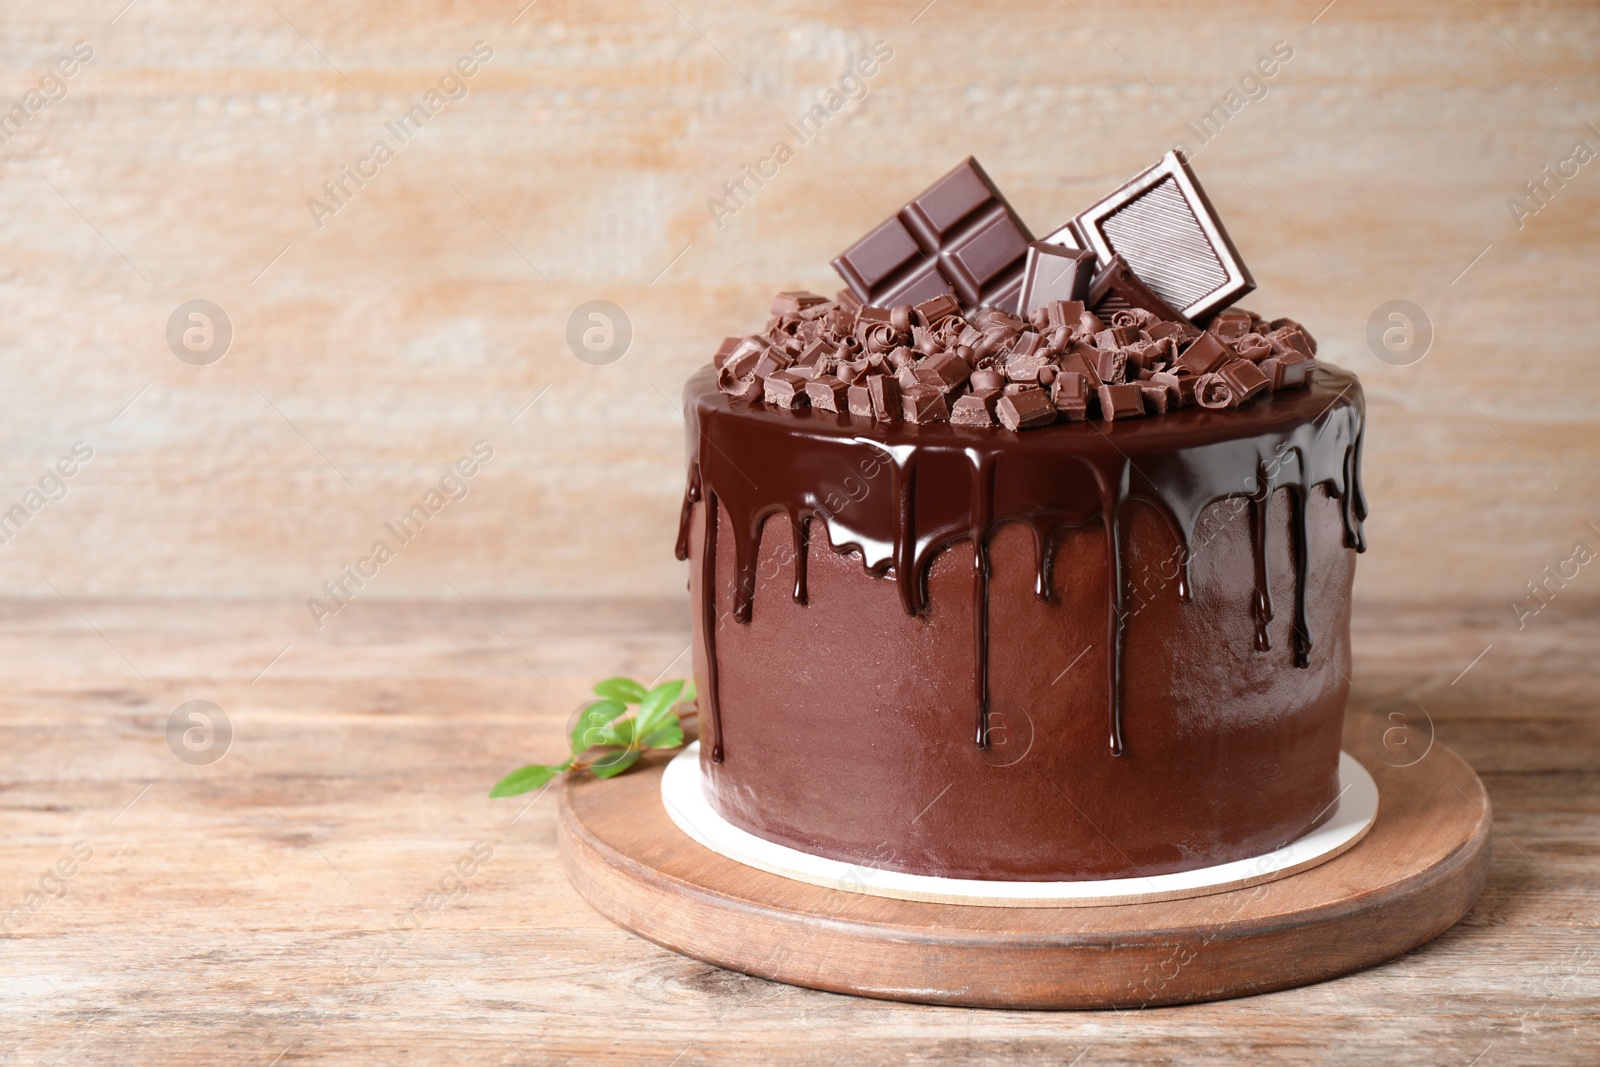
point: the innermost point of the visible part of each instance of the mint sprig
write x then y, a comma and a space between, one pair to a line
606, 743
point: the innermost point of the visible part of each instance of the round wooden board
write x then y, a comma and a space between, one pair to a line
1414, 876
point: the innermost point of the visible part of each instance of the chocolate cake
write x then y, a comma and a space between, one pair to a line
1025, 559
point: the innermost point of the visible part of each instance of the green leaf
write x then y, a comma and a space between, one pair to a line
526, 779
667, 736
591, 728
625, 690
688, 691
617, 733
613, 767
656, 706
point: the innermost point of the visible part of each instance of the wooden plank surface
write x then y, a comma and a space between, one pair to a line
295, 897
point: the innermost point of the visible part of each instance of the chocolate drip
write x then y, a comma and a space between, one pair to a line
982, 501
949, 483
1260, 526
1299, 503
802, 547
691, 497
708, 620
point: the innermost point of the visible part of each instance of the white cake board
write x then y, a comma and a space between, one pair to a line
686, 805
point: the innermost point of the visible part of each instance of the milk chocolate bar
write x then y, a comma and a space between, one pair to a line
958, 236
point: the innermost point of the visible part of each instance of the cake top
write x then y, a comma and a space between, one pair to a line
955, 314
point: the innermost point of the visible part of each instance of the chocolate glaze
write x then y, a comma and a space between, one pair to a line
952, 483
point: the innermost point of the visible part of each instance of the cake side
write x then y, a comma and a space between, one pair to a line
891, 697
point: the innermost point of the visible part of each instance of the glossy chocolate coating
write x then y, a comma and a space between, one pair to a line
1102, 688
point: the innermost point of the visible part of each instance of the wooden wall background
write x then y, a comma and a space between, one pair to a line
371, 353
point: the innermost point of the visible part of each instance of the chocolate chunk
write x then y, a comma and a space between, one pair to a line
771, 362
1111, 364
1181, 332
1071, 395
938, 308
1156, 398
1025, 409
741, 362
1115, 337
1164, 226
1117, 287
1052, 273
1286, 372
1211, 391
795, 302
815, 360
860, 400
745, 351
1232, 324
1180, 388
1288, 339
1121, 401
726, 349
1150, 355
885, 393
923, 403
974, 409
828, 393
1069, 389
958, 236
846, 298
1063, 314
785, 389
1278, 324
1083, 360
1204, 355
1244, 379
944, 372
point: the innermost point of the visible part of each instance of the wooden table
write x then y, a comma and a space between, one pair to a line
338, 887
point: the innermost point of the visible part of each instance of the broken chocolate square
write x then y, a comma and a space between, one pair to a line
827, 393
1204, 355
1121, 401
1164, 226
785, 389
1117, 288
1025, 409
1051, 273
944, 372
923, 403
1244, 379
885, 393
974, 409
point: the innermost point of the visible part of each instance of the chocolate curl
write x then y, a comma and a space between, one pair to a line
877, 336
1210, 391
